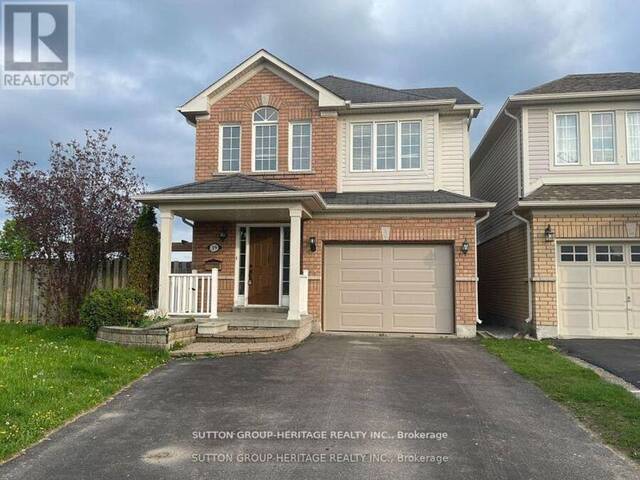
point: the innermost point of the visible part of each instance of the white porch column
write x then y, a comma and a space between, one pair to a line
166, 237
295, 215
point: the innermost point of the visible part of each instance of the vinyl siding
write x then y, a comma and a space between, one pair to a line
495, 179
398, 180
453, 167
541, 136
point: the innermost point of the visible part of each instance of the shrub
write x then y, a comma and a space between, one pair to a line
124, 307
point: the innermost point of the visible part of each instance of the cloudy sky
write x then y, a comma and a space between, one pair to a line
138, 60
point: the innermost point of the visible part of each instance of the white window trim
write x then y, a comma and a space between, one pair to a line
613, 116
626, 136
220, 129
254, 124
555, 139
290, 139
374, 146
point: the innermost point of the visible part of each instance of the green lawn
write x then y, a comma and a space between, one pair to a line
50, 374
605, 408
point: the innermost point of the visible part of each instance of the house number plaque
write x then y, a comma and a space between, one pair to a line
215, 247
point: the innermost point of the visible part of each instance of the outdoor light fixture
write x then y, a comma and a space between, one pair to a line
464, 248
312, 244
222, 235
549, 234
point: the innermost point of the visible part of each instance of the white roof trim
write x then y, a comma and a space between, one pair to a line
411, 207
199, 102
570, 95
578, 203
408, 103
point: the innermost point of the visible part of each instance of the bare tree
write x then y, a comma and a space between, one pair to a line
78, 213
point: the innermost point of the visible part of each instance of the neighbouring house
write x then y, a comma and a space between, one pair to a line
561, 251
326, 199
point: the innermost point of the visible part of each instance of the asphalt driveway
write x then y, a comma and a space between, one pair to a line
497, 425
620, 357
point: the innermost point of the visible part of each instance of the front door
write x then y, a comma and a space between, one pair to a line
264, 261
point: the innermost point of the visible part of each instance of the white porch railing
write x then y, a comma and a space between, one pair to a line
304, 292
194, 293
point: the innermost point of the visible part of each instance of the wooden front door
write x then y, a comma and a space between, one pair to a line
264, 266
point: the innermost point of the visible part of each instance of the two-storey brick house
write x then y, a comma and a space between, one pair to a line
333, 200
561, 251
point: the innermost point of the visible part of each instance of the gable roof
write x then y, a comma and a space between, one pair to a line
441, 197
235, 183
362, 92
590, 82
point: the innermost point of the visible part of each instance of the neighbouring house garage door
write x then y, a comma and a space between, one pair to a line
599, 289
388, 288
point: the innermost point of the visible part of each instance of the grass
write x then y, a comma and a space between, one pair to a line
50, 374
607, 409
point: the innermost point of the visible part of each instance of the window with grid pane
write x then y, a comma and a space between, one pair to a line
301, 146
574, 253
567, 139
633, 137
361, 147
609, 253
410, 145
265, 137
386, 146
230, 148
286, 242
243, 260
602, 138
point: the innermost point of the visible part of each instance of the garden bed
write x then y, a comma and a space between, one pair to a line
163, 335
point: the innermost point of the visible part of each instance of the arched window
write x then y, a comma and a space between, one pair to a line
265, 139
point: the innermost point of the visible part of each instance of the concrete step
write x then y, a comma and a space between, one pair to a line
248, 335
266, 309
212, 327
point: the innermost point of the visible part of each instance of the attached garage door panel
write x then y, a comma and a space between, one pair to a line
599, 289
388, 288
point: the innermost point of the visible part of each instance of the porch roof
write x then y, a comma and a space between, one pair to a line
234, 183
583, 195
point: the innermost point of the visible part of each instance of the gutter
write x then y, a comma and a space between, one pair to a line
428, 206
185, 197
519, 147
529, 285
478, 222
578, 203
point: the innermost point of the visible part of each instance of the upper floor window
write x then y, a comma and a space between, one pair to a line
229, 151
265, 140
633, 137
378, 146
602, 137
566, 144
300, 146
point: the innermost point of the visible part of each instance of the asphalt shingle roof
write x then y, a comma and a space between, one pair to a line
590, 82
558, 193
361, 92
396, 198
236, 183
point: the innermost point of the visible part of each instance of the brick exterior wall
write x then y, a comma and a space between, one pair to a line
595, 225
267, 89
502, 270
454, 230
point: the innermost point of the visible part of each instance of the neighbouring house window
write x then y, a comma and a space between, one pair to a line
230, 148
410, 145
602, 137
609, 253
286, 235
300, 141
386, 146
265, 139
633, 137
574, 253
567, 139
243, 260
362, 146
635, 253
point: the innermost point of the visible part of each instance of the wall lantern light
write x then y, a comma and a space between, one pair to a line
223, 235
312, 244
549, 234
464, 248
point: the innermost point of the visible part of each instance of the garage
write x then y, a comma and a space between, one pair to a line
402, 288
599, 289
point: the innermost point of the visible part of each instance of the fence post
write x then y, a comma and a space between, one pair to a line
214, 293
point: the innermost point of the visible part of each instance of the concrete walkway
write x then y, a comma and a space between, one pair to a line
491, 424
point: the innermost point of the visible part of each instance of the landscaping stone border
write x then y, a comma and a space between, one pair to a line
163, 338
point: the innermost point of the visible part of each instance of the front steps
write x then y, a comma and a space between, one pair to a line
242, 340
212, 327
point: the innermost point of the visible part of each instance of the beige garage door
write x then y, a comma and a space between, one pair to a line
599, 289
388, 288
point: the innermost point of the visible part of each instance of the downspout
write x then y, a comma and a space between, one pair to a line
475, 242
529, 286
